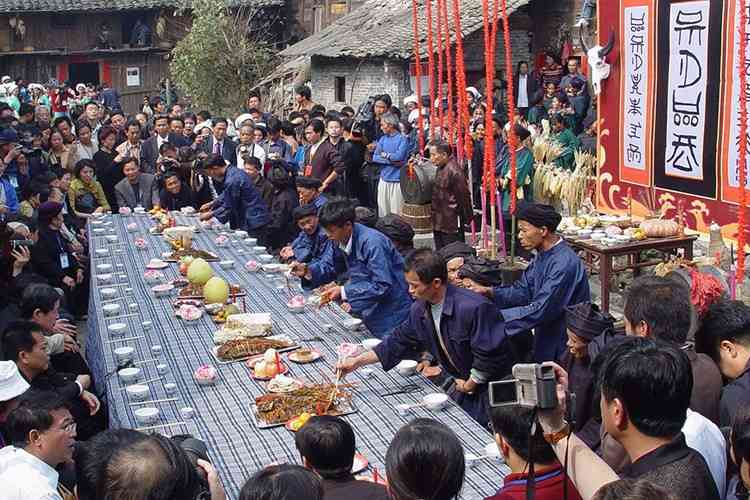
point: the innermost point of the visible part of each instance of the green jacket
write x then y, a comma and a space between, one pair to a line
569, 143
524, 176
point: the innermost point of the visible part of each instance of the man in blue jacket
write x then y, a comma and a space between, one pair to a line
554, 280
456, 328
376, 289
240, 203
390, 154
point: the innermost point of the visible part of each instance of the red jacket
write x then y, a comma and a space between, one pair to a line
549, 486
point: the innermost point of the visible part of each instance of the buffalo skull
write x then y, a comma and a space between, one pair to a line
597, 60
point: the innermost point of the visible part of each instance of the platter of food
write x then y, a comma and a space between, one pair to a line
282, 384
303, 356
176, 255
195, 291
273, 410
241, 349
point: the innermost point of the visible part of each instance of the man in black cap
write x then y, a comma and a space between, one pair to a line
399, 231
308, 189
555, 279
584, 323
311, 248
587, 138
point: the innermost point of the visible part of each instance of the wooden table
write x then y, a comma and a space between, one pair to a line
589, 250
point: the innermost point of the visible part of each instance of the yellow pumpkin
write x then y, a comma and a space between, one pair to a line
659, 228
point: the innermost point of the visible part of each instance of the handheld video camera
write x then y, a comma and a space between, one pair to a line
532, 386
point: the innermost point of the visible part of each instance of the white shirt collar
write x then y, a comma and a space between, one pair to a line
27, 469
347, 249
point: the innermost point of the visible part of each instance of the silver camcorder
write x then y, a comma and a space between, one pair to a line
532, 386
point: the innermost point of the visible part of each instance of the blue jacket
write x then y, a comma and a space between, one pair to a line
554, 280
240, 203
474, 336
319, 253
397, 147
11, 199
376, 288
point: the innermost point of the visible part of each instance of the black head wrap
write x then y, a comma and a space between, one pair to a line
396, 228
309, 182
539, 215
586, 321
303, 211
457, 249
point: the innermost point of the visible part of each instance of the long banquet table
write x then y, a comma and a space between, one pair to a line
222, 412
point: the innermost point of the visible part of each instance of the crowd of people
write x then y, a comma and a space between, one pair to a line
652, 417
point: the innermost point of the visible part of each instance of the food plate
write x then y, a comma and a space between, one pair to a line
293, 346
346, 408
207, 256
300, 357
157, 264
276, 384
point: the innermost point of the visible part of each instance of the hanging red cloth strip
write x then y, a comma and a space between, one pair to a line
431, 66
450, 124
741, 223
490, 39
463, 116
512, 139
440, 114
418, 76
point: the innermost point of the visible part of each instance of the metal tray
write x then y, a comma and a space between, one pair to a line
347, 409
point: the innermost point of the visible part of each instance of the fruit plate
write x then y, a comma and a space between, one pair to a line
346, 408
215, 350
284, 371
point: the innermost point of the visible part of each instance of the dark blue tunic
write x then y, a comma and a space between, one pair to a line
473, 334
554, 280
240, 203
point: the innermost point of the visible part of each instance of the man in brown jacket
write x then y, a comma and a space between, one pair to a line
451, 200
322, 158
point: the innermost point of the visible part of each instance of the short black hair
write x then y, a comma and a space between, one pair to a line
513, 423
663, 304
91, 458
385, 99
740, 435
337, 212
219, 119
252, 160
347, 110
34, 412
725, 320
425, 460
60, 119
442, 147
428, 265
303, 90
26, 109
176, 119
653, 381
166, 146
318, 108
254, 93
133, 123
214, 160
633, 489
38, 296
17, 338
81, 164
189, 115
283, 482
204, 115
317, 125
557, 118
274, 125
331, 118
328, 445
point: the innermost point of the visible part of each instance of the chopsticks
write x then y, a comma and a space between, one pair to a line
160, 426
167, 400
124, 339
144, 382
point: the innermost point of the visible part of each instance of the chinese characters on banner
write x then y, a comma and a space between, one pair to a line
636, 88
687, 89
737, 99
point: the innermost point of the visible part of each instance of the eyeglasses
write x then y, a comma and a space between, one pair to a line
70, 427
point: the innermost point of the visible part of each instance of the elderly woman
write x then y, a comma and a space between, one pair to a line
85, 194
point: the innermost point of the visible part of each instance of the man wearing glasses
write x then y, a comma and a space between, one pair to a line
42, 432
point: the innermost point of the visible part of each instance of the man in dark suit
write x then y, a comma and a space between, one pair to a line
150, 147
137, 188
527, 89
218, 143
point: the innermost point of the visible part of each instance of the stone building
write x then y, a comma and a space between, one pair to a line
370, 50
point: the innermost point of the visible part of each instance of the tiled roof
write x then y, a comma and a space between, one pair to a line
385, 28
7, 6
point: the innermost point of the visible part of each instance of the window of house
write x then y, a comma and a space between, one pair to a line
339, 87
338, 8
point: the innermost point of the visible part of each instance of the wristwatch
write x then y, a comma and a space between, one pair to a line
555, 437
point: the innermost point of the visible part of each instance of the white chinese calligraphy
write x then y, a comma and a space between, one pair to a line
738, 98
636, 88
686, 94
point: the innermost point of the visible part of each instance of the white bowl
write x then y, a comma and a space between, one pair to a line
101, 251
138, 392
435, 401
240, 234
156, 350
129, 375
108, 293
226, 264
407, 367
117, 328
370, 343
296, 309
272, 267
352, 324
250, 242
187, 413
124, 354
103, 279
111, 309
162, 368
104, 268
147, 325
111, 238
259, 249
170, 388
265, 258
146, 416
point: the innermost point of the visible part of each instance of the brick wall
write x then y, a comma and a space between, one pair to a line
474, 53
367, 76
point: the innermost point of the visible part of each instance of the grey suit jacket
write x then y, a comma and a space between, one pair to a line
147, 186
